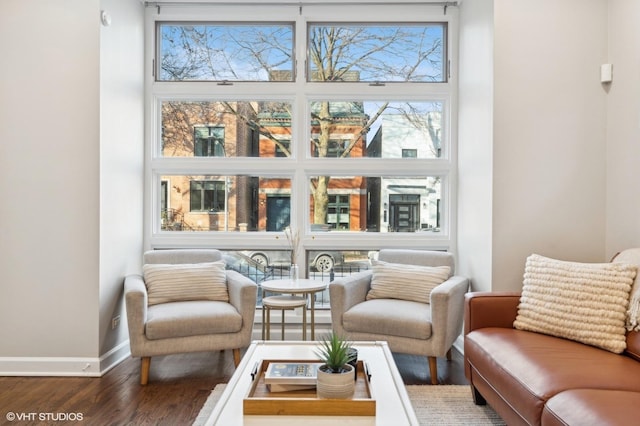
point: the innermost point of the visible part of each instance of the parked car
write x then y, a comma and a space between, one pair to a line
321, 261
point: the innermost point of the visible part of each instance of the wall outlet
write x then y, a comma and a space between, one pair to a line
115, 322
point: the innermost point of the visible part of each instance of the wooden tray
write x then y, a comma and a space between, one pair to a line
260, 401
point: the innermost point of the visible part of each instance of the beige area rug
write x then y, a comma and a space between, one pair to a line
434, 405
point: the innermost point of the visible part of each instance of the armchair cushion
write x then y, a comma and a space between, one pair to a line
585, 302
392, 317
405, 282
187, 281
191, 318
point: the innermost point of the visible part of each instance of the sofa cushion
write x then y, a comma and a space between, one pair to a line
192, 318
389, 317
187, 281
405, 282
633, 345
632, 256
526, 368
586, 302
592, 407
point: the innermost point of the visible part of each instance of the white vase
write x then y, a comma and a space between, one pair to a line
336, 385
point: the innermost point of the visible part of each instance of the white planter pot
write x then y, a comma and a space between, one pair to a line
336, 385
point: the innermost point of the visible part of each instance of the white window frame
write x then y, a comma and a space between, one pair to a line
300, 93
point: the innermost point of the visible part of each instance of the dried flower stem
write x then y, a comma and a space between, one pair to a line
293, 238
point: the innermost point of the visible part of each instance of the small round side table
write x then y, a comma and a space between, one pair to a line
282, 303
305, 287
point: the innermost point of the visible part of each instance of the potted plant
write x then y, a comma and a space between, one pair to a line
336, 375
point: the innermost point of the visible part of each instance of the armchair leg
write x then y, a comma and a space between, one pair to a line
433, 369
145, 364
236, 356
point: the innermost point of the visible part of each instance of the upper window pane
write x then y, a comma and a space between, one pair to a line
377, 52
219, 52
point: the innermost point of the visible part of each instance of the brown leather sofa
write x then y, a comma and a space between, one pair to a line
535, 379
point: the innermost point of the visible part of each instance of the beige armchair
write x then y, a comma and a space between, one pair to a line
412, 327
188, 325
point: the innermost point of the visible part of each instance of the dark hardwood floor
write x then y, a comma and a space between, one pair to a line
178, 387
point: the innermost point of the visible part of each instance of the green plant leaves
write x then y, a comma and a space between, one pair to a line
335, 352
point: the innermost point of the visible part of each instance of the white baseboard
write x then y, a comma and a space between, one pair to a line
459, 344
50, 366
114, 357
64, 366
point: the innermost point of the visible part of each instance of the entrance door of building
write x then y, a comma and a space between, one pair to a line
278, 213
404, 213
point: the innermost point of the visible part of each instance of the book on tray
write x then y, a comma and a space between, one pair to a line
290, 376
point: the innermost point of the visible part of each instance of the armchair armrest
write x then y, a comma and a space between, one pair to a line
490, 309
242, 293
135, 292
346, 292
447, 306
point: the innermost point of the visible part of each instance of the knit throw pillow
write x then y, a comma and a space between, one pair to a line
632, 257
585, 302
187, 281
406, 282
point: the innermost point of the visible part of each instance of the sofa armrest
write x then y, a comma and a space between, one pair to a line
346, 292
490, 309
242, 294
447, 312
135, 293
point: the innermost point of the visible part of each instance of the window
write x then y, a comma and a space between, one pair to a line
338, 212
209, 141
231, 131
335, 149
207, 196
377, 52
283, 148
409, 153
238, 52
333, 120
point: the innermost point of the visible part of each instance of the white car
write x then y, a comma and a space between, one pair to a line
322, 261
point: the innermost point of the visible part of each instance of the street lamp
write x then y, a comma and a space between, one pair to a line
227, 182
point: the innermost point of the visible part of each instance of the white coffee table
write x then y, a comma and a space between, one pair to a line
393, 406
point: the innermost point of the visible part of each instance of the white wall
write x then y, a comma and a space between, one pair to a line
559, 158
475, 146
121, 165
549, 175
623, 127
49, 107
70, 182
